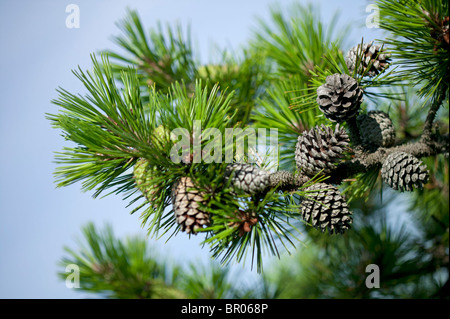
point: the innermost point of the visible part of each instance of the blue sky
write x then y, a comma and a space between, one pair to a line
38, 53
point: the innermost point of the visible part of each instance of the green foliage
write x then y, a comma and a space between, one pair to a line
336, 267
131, 268
294, 46
161, 57
297, 41
165, 56
208, 282
431, 204
249, 65
104, 127
369, 85
417, 42
140, 104
121, 269
258, 224
113, 128
276, 111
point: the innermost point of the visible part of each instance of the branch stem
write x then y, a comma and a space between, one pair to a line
427, 128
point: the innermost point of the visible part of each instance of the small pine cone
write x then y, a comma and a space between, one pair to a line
161, 133
320, 148
325, 208
402, 171
247, 177
246, 220
186, 202
376, 129
340, 97
284, 180
374, 59
143, 175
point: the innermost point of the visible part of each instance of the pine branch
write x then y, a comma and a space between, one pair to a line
298, 40
418, 43
121, 123
363, 162
249, 65
161, 57
121, 268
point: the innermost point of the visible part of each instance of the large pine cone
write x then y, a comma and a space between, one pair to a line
374, 59
402, 171
320, 148
247, 177
340, 97
376, 129
143, 174
325, 208
186, 200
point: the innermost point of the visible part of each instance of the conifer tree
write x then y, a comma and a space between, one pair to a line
352, 125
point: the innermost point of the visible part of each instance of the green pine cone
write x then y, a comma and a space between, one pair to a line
143, 175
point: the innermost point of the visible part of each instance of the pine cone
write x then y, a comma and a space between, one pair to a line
402, 171
374, 60
340, 97
143, 175
161, 133
283, 179
376, 129
320, 148
186, 202
246, 220
247, 177
325, 208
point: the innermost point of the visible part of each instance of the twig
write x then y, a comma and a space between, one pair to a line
432, 114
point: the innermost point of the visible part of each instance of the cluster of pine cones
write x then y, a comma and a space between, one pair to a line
318, 152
